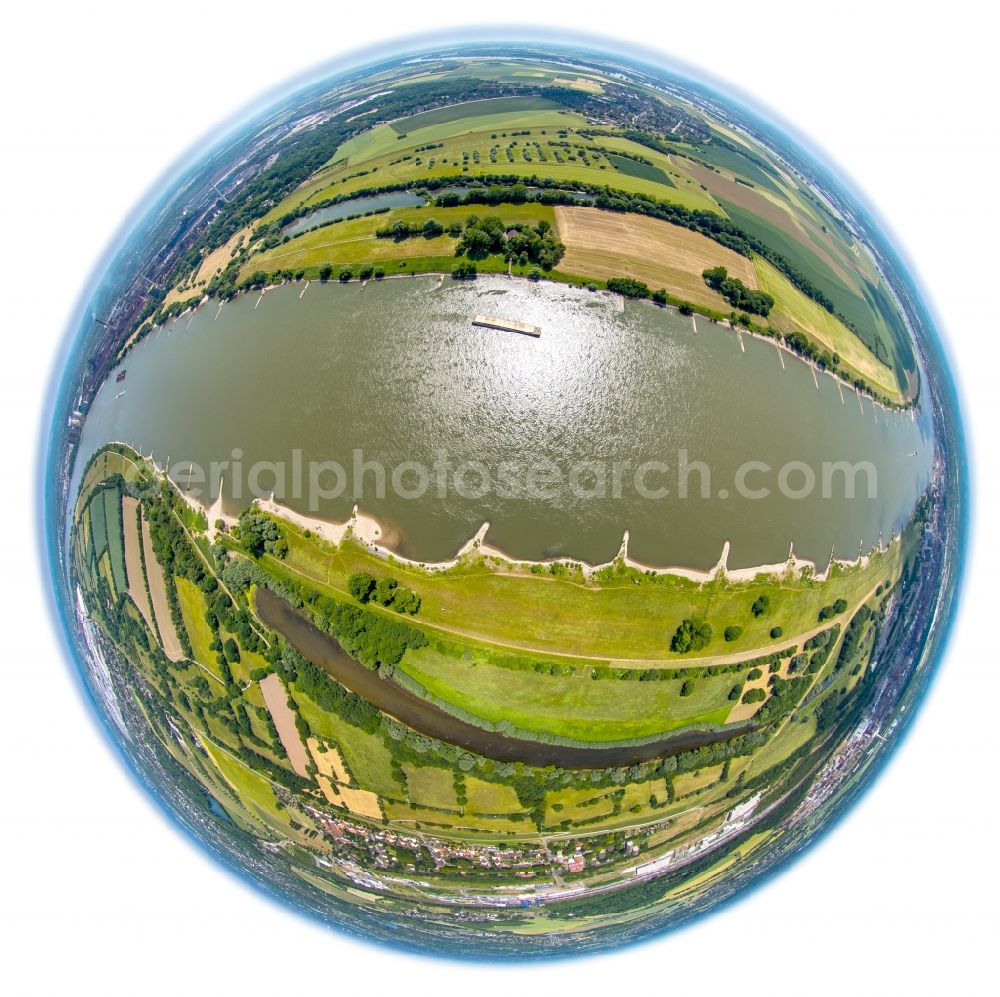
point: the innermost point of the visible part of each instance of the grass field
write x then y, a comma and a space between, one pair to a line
646, 171
354, 241
605, 244
253, 790
200, 633
569, 705
619, 620
490, 797
577, 805
692, 782
480, 145
495, 114
429, 786
476, 112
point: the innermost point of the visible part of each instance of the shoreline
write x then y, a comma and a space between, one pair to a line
369, 531
906, 405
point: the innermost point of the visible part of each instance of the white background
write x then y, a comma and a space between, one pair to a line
99, 892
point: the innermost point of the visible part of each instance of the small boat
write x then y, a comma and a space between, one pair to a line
121, 376
120, 393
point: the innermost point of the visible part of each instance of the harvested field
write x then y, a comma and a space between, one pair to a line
215, 262
606, 244
276, 699
328, 760
133, 560
161, 606
358, 801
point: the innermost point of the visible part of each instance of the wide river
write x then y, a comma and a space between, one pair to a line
542, 437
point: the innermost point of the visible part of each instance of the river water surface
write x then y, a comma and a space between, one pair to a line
396, 371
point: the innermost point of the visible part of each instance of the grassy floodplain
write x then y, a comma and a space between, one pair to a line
565, 615
836, 304
353, 241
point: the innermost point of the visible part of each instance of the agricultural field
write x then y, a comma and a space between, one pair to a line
606, 244
133, 559
538, 139
158, 594
793, 311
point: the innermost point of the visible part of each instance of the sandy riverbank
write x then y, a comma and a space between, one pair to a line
367, 530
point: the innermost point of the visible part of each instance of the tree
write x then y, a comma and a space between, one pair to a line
628, 286
325, 271
760, 605
776, 632
260, 535
406, 601
232, 651
687, 687
361, 585
733, 633
385, 589
346, 273
432, 229
737, 293
464, 271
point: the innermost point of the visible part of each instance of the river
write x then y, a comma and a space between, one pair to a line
396, 371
